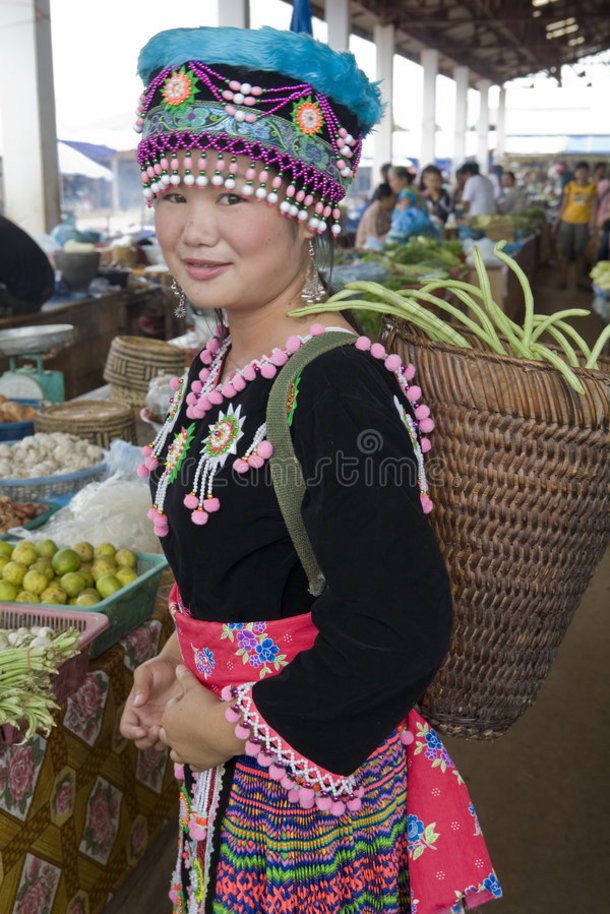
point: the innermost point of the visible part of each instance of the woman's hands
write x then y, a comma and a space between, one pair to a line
195, 728
154, 684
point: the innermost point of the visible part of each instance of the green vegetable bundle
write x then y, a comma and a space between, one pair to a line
600, 274
483, 317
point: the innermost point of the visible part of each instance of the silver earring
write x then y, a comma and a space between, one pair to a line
313, 290
180, 309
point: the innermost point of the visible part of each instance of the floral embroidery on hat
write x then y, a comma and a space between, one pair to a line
179, 88
308, 117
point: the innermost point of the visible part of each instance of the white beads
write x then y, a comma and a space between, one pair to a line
165, 179
189, 180
175, 180
284, 206
240, 116
261, 193
230, 183
201, 180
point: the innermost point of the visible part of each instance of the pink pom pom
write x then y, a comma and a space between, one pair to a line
288, 783
426, 503
377, 351
337, 808
175, 383
354, 804
268, 370
363, 343
205, 357
204, 374
197, 412
199, 517
265, 450
293, 343
227, 693
197, 832
256, 461
323, 802
228, 391
276, 772
252, 749
279, 358
249, 372
409, 372
191, 399
190, 413
191, 501
152, 514
425, 445
173, 896
427, 425
147, 450
242, 732
414, 393
152, 463
232, 714
142, 471
211, 504
293, 796
212, 345
238, 382
240, 466
422, 412
406, 737
264, 759
216, 397
196, 387
393, 362
359, 792
160, 531
317, 329
307, 797
204, 403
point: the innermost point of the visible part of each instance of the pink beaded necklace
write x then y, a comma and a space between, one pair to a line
226, 431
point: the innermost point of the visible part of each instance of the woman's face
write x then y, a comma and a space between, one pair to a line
228, 250
432, 182
396, 183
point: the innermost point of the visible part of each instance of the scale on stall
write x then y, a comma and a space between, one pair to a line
33, 381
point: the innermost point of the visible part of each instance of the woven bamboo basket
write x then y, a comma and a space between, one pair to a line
100, 421
133, 361
519, 474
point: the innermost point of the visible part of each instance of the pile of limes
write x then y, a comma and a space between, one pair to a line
46, 573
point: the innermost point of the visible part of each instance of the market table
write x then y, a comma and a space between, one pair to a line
79, 809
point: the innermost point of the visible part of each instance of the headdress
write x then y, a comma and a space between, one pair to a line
280, 98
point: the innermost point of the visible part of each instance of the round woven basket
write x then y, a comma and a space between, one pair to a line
100, 421
133, 361
519, 474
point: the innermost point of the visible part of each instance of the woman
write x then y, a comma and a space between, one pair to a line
375, 222
436, 197
284, 711
409, 216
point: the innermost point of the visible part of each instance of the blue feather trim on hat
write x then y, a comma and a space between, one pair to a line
297, 55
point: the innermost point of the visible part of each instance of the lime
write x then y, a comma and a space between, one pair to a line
103, 566
107, 585
54, 594
8, 592
73, 582
86, 574
26, 596
88, 598
3, 560
46, 548
125, 558
65, 560
14, 572
85, 551
44, 566
25, 553
5, 548
35, 582
126, 576
104, 549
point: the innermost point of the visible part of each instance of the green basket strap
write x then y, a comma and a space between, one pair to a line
286, 470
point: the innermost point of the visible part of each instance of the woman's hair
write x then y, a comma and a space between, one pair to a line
381, 192
429, 170
403, 174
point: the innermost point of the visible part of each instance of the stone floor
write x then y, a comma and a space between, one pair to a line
541, 791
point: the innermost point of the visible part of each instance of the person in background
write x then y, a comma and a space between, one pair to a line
512, 199
401, 181
600, 172
27, 279
603, 219
435, 195
575, 223
377, 218
385, 172
495, 176
478, 195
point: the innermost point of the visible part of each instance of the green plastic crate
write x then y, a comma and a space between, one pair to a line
130, 606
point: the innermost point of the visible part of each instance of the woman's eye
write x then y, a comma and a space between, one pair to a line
174, 197
230, 199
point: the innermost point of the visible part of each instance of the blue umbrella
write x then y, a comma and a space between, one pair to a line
301, 17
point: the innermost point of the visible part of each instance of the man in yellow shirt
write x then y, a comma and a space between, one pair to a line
575, 223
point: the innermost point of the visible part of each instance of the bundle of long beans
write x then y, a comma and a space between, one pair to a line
483, 317
26, 691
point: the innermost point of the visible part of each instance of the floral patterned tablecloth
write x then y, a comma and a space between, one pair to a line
78, 810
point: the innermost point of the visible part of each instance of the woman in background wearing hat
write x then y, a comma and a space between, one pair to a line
289, 716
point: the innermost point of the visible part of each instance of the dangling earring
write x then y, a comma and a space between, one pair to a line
313, 290
180, 309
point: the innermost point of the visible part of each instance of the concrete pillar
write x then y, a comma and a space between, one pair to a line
27, 108
429, 62
384, 71
460, 75
501, 125
234, 13
338, 21
483, 126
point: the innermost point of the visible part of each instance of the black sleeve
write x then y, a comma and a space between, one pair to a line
385, 617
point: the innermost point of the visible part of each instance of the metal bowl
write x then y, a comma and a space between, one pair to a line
40, 338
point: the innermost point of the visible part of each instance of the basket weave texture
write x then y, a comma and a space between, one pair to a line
519, 474
99, 421
133, 361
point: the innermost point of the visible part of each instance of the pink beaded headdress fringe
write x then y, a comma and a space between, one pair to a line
242, 99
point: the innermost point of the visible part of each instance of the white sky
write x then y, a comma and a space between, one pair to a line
95, 49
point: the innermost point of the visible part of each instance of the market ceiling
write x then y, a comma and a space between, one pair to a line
497, 39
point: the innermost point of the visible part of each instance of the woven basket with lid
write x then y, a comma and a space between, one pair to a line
520, 475
100, 421
133, 361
